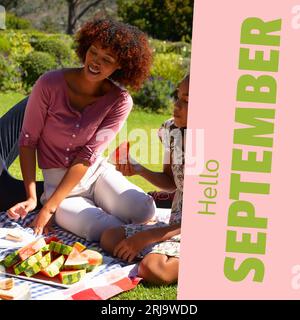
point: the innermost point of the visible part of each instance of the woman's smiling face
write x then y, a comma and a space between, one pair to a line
99, 63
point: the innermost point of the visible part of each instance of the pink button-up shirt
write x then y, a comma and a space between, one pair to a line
60, 133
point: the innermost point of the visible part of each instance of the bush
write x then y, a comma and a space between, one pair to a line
10, 74
14, 22
14, 46
58, 45
35, 64
4, 46
56, 48
155, 95
165, 19
170, 66
18, 43
181, 48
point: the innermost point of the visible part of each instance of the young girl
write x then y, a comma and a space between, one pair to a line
157, 244
71, 116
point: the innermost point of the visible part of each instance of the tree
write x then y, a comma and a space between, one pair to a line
162, 19
9, 4
76, 10
60, 15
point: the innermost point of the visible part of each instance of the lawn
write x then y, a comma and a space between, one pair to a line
137, 120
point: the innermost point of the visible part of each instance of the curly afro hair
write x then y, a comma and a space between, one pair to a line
126, 42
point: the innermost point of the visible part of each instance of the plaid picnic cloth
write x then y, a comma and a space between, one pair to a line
111, 265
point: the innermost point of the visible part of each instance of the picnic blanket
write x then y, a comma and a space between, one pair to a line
115, 276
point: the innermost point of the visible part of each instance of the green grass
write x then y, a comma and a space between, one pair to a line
137, 120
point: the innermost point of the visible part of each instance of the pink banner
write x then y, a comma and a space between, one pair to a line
241, 222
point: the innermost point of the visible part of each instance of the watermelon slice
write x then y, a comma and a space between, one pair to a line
76, 261
60, 248
45, 261
52, 238
69, 277
30, 262
11, 259
121, 154
31, 248
53, 269
90, 268
41, 264
46, 248
79, 246
93, 257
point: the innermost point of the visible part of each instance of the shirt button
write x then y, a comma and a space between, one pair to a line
70, 144
67, 158
27, 135
68, 149
77, 125
73, 136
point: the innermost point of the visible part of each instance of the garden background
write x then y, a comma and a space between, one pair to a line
39, 36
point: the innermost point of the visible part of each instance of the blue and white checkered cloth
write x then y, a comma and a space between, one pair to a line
40, 289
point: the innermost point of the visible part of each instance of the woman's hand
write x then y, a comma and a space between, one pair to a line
21, 209
43, 221
129, 248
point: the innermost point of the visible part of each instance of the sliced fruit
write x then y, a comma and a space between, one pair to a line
43, 263
90, 268
69, 277
30, 262
93, 257
11, 259
60, 248
30, 271
79, 246
76, 261
53, 269
121, 154
31, 248
46, 248
52, 238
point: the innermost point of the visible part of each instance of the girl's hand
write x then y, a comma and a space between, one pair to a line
129, 248
43, 221
129, 169
21, 209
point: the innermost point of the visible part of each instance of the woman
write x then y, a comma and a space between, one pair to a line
157, 245
71, 116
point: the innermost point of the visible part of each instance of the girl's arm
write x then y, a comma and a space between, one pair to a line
129, 248
162, 234
163, 180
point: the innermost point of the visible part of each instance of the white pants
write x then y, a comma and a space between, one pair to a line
103, 199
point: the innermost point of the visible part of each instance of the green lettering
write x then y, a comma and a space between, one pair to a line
237, 186
258, 63
247, 220
246, 246
262, 89
251, 164
242, 272
256, 31
251, 136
